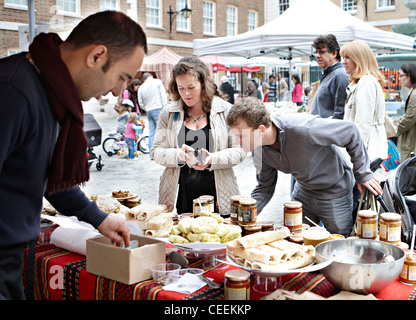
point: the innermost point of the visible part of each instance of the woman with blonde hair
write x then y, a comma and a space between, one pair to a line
365, 104
195, 120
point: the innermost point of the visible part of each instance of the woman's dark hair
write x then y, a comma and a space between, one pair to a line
329, 41
115, 30
410, 70
296, 77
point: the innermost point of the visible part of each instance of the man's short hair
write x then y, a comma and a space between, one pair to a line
329, 41
115, 30
271, 76
252, 111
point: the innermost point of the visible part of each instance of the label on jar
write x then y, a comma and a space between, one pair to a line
236, 293
234, 212
368, 230
293, 219
393, 234
246, 215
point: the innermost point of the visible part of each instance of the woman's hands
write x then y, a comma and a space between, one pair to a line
187, 154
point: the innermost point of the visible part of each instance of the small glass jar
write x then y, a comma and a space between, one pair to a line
198, 206
210, 202
367, 224
408, 273
247, 214
237, 285
390, 227
292, 214
235, 207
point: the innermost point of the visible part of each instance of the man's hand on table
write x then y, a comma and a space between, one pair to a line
116, 230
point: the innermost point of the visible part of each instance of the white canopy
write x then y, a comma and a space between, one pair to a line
293, 32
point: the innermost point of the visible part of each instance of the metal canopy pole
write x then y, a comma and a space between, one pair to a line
32, 26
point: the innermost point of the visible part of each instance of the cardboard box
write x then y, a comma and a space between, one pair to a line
124, 265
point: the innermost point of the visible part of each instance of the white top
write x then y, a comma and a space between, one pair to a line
152, 94
365, 106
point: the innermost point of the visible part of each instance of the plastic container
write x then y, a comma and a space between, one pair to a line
165, 273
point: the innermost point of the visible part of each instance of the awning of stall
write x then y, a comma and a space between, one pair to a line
395, 60
161, 63
244, 69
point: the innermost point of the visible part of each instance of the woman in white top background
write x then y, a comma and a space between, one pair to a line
365, 103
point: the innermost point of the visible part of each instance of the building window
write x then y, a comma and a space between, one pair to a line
153, 13
349, 5
16, 3
231, 21
209, 17
68, 6
283, 6
385, 4
251, 20
182, 24
108, 5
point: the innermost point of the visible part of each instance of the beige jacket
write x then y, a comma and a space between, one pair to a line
226, 154
406, 128
365, 107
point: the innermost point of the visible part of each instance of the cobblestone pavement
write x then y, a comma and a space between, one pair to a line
142, 176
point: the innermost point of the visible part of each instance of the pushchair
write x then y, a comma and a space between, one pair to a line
398, 186
93, 132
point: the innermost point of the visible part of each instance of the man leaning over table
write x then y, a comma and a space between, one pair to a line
308, 147
43, 142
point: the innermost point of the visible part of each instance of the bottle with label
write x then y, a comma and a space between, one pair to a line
209, 201
235, 207
390, 227
408, 273
292, 214
237, 285
199, 205
247, 213
367, 224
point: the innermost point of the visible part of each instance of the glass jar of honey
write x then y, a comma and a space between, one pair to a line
367, 224
408, 273
209, 201
247, 213
292, 215
390, 227
199, 205
235, 207
237, 285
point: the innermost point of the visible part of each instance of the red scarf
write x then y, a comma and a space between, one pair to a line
69, 165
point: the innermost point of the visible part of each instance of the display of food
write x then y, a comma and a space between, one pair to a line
122, 194
208, 227
269, 251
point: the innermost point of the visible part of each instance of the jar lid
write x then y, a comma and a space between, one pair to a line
199, 200
207, 197
253, 228
237, 275
266, 224
247, 201
367, 214
390, 216
293, 204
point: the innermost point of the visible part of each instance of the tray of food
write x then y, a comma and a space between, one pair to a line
269, 254
123, 195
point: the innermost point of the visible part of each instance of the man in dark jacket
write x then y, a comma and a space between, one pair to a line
329, 99
44, 146
227, 89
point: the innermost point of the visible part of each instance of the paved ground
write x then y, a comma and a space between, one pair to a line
142, 176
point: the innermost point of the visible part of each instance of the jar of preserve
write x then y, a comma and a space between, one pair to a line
367, 224
198, 206
209, 202
408, 273
235, 207
292, 215
237, 285
390, 227
247, 214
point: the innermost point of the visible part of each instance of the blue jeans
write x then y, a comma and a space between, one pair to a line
335, 214
153, 117
130, 145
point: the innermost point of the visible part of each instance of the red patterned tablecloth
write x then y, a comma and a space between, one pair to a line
78, 284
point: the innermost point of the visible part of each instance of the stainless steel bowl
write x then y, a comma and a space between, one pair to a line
359, 265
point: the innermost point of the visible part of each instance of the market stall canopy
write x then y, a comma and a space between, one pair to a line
395, 60
244, 69
293, 32
162, 63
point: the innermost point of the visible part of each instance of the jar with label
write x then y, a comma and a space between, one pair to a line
237, 285
198, 206
210, 202
367, 224
408, 273
292, 215
390, 227
235, 207
247, 214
